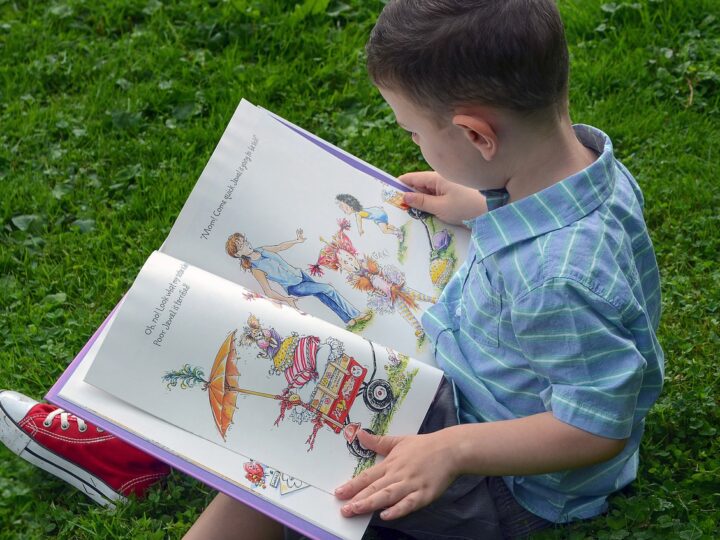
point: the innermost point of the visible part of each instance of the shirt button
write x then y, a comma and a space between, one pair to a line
458, 311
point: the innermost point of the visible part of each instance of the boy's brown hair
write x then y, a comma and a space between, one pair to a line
232, 249
231, 243
509, 54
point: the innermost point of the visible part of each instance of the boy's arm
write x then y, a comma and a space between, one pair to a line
450, 202
577, 341
286, 245
419, 468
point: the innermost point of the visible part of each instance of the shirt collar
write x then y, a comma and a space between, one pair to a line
555, 207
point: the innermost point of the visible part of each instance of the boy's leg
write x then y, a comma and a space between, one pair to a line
515, 521
95, 462
226, 518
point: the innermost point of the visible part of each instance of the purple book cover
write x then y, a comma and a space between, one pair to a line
283, 516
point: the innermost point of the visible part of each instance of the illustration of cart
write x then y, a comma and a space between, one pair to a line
336, 391
342, 380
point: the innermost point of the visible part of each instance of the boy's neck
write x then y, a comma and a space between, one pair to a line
545, 156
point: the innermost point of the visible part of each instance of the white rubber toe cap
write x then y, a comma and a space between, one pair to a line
15, 405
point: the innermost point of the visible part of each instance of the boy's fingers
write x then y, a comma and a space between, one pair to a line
381, 498
381, 444
410, 179
417, 176
360, 482
402, 508
420, 181
422, 201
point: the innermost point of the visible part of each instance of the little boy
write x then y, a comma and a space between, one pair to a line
547, 333
548, 330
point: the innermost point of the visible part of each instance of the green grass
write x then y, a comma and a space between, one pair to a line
109, 111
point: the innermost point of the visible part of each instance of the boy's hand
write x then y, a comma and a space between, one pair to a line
417, 470
450, 202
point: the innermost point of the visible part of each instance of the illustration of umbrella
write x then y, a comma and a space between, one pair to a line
223, 388
222, 385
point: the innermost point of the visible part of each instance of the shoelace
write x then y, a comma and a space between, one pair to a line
65, 418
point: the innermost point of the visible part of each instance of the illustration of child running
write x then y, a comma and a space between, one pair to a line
350, 205
385, 285
267, 266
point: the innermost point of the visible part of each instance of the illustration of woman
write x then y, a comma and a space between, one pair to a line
267, 266
350, 205
384, 284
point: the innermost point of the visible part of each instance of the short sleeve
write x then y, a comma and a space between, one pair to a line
576, 341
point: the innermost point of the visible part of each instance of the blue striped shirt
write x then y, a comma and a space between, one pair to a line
556, 309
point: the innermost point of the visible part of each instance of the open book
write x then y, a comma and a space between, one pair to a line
279, 318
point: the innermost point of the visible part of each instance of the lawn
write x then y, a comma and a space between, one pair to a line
109, 111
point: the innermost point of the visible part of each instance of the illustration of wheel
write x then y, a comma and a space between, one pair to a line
378, 395
358, 450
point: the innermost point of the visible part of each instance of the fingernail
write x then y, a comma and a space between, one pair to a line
346, 508
340, 491
409, 198
385, 514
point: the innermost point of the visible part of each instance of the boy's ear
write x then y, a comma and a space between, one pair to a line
479, 132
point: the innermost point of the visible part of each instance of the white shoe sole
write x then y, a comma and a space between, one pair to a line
24, 446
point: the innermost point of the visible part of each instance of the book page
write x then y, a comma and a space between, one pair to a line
217, 465
287, 218
256, 376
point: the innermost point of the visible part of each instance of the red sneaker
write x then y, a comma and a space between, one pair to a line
102, 466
